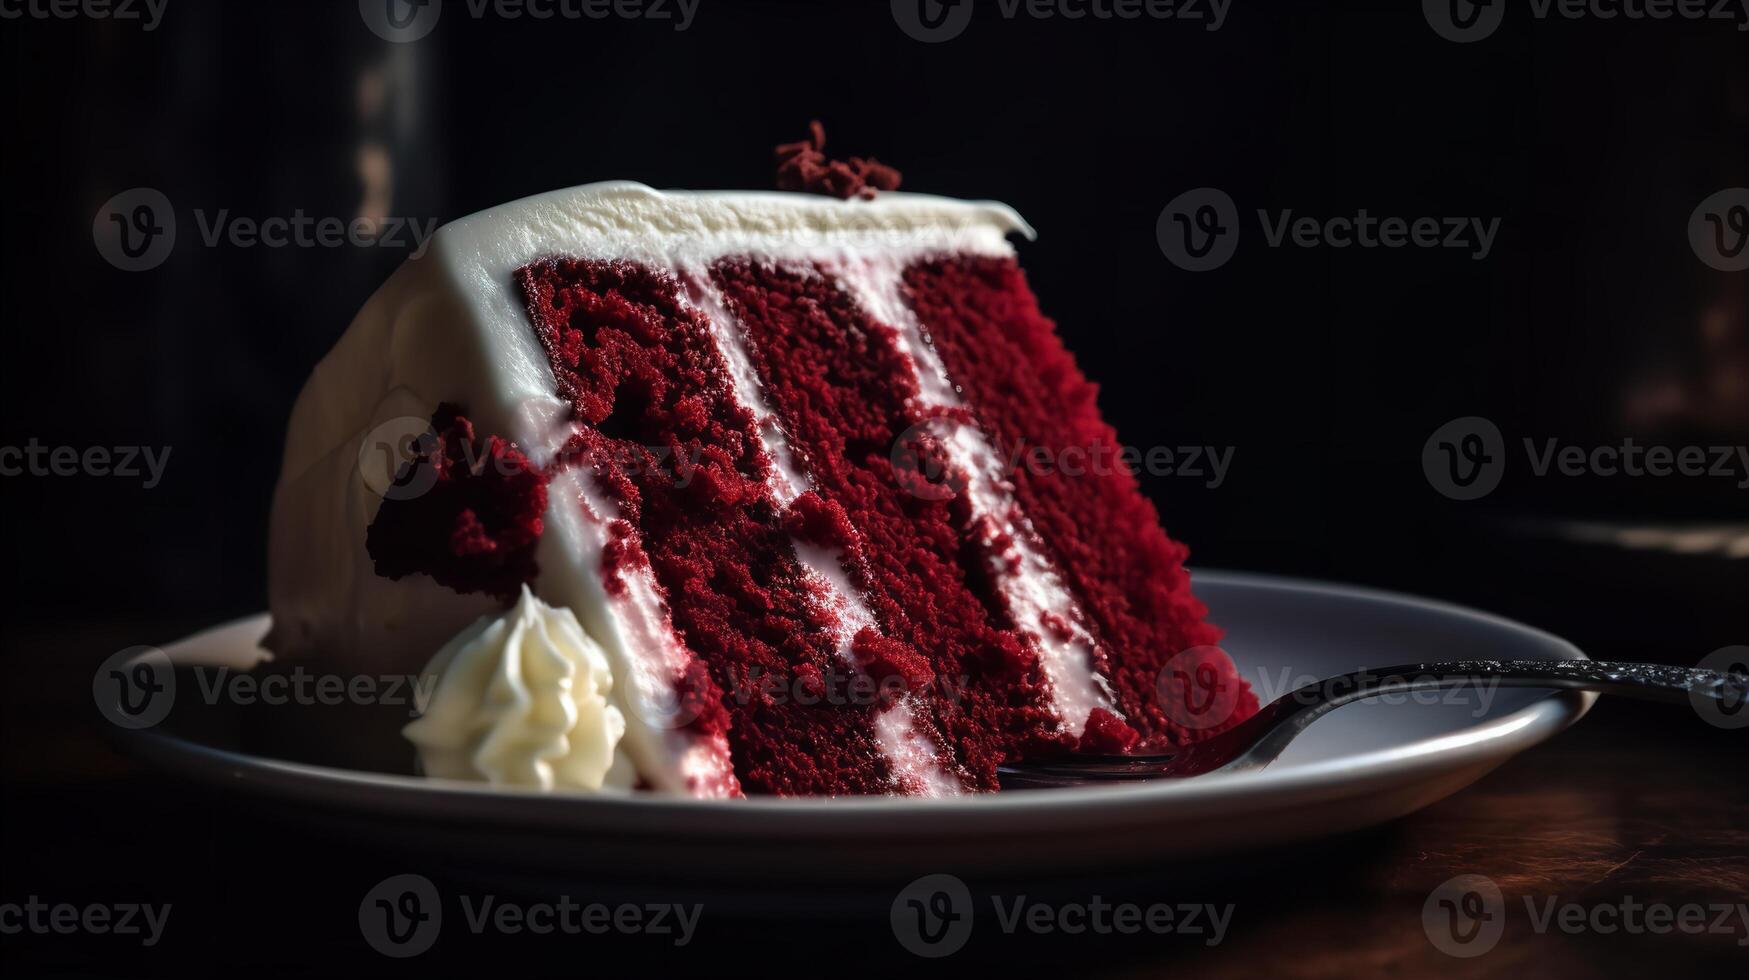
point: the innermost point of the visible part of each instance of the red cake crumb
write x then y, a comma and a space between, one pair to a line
700, 700
889, 660
465, 512
1106, 734
620, 552
804, 167
816, 520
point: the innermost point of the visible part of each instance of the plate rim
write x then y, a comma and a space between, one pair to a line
1491, 741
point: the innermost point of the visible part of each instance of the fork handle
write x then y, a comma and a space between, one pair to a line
1282, 720
1260, 739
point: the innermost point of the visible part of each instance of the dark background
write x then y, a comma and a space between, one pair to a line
1326, 371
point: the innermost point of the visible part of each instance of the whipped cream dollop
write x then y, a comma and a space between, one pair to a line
521, 698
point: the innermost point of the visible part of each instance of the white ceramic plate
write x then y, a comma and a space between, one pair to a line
1365, 764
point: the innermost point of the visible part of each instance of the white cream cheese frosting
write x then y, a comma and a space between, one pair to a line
521, 699
450, 326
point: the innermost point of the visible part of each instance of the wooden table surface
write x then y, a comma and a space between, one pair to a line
1640, 805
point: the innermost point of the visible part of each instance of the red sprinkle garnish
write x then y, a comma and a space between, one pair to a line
804, 167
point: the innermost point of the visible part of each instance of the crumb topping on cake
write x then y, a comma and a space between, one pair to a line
803, 166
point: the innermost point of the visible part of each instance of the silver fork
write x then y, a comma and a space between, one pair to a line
1259, 740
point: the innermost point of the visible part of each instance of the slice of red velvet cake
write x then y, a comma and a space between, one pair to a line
751, 455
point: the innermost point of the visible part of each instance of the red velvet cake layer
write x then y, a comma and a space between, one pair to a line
844, 393
685, 465
785, 662
1025, 391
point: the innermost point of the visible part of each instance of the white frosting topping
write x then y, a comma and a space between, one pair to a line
626, 220
521, 699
